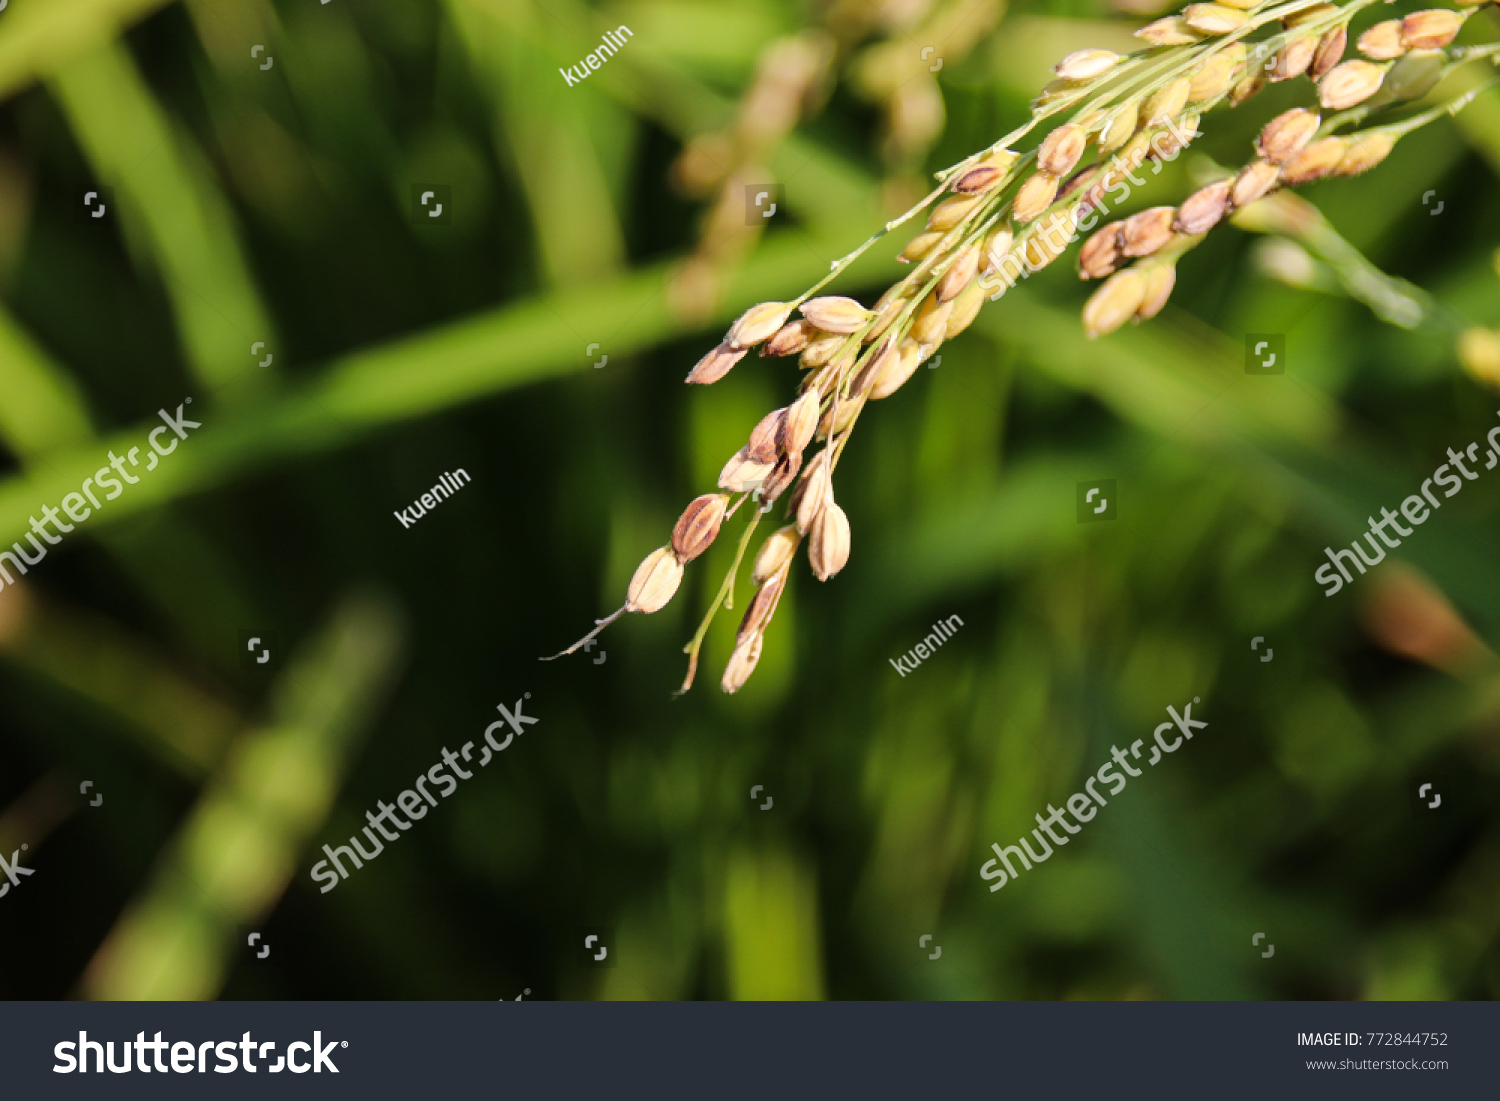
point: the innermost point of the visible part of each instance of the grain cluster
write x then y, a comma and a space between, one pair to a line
1008, 211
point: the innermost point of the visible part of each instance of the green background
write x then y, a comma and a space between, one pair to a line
276, 205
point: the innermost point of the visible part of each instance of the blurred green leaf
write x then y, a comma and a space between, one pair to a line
236, 852
173, 213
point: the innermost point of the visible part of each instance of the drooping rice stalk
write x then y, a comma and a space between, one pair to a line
1008, 213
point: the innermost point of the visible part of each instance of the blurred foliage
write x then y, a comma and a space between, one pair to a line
276, 204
